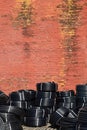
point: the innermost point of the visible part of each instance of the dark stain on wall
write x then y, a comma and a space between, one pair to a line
27, 31
51, 49
26, 48
24, 19
69, 21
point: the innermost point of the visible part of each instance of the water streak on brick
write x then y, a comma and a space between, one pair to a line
26, 48
24, 17
69, 21
47, 57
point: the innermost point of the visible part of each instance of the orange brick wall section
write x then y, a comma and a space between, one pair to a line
42, 41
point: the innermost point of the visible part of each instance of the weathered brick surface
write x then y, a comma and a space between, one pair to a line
33, 46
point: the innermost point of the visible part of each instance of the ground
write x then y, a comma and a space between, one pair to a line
39, 128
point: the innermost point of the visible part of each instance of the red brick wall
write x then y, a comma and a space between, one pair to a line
42, 41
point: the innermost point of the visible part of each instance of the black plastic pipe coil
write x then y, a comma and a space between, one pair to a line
58, 114
36, 116
81, 95
11, 126
45, 102
46, 96
82, 118
22, 95
47, 86
39, 107
64, 119
11, 117
22, 98
36, 112
11, 109
34, 121
66, 99
3, 98
42, 94
68, 93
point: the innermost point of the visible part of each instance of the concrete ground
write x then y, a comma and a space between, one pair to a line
39, 128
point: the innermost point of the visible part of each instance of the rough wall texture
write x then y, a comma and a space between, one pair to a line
42, 41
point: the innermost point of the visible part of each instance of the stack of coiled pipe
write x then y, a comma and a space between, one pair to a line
64, 119
66, 99
46, 96
81, 95
22, 99
3, 98
35, 116
82, 119
37, 108
69, 122
10, 117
